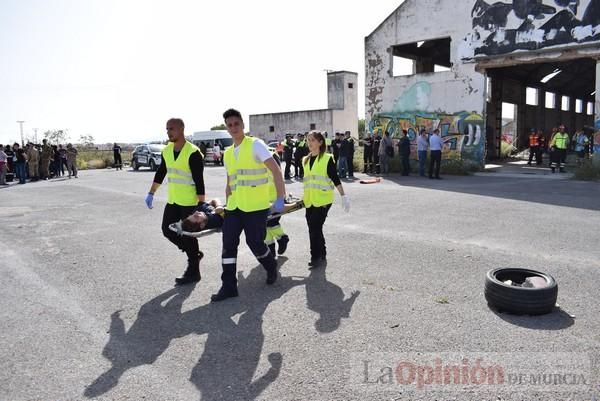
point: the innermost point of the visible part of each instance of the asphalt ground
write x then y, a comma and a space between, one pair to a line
89, 310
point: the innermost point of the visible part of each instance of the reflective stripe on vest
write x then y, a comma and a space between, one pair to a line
318, 187
248, 179
182, 189
533, 140
560, 140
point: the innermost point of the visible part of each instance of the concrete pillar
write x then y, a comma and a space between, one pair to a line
572, 114
597, 116
541, 111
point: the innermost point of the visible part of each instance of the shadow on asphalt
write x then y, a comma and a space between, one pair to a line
551, 192
232, 350
558, 319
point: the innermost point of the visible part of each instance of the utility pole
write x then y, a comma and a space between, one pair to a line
21, 125
35, 135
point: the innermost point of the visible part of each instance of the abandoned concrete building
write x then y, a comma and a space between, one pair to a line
340, 116
454, 65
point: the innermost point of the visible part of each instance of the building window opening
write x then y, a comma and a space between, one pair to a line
271, 129
428, 56
550, 100
350, 85
531, 96
566, 103
313, 126
578, 106
590, 108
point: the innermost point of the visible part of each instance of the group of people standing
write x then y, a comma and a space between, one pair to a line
378, 151
37, 162
558, 146
294, 150
255, 188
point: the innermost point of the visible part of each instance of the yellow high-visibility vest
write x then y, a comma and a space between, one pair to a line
318, 187
560, 140
248, 179
182, 188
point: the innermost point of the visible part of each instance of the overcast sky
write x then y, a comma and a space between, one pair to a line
118, 69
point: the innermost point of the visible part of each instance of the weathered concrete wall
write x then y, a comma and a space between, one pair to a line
456, 93
462, 88
293, 122
522, 25
346, 118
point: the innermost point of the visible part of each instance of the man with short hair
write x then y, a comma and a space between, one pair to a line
117, 157
299, 153
349, 153
435, 154
288, 153
559, 144
45, 160
247, 163
183, 166
367, 154
534, 147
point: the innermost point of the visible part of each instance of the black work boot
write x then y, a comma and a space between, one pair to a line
223, 294
192, 272
282, 242
270, 266
229, 286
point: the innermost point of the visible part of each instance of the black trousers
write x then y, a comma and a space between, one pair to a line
434, 163
288, 165
315, 218
376, 162
254, 226
351, 165
118, 160
405, 165
299, 168
172, 214
368, 160
534, 151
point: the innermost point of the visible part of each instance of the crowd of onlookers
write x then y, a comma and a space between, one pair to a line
36, 162
378, 152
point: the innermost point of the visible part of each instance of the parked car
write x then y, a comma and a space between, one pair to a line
146, 156
205, 140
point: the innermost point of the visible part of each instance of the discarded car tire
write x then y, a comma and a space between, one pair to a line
519, 300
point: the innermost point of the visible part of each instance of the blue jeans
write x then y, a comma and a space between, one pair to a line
342, 166
422, 161
20, 171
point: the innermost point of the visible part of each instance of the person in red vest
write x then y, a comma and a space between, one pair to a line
534, 147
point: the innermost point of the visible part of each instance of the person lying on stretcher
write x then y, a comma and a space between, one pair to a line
209, 215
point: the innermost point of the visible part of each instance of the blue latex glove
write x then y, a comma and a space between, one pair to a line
148, 199
278, 205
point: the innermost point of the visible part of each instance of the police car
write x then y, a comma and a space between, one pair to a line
146, 156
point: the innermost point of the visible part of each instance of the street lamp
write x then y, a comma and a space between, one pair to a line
21, 125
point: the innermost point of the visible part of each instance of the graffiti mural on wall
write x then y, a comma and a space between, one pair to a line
463, 133
503, 27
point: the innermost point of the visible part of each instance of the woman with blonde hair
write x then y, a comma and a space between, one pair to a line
320, 179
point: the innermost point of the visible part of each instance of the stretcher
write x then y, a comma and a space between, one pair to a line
291, 207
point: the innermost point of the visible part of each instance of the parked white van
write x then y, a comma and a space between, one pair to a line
206, 140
